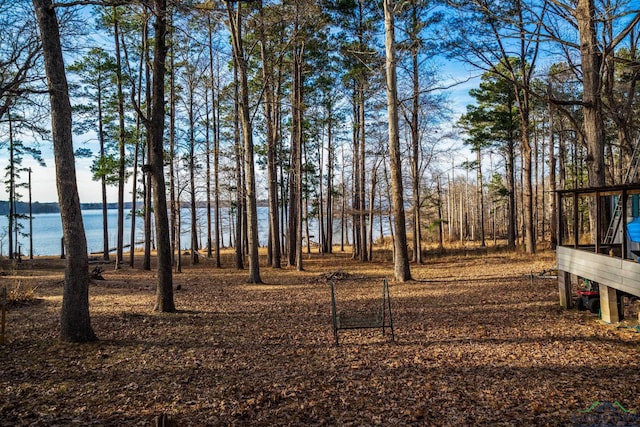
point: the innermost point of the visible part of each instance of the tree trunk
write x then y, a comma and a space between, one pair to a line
357, 218
440, 219
591, 60
174, 205
103, 180
164, 292
216, 149
328, 240
208, 170
271, 135
146, 264
239, 247
511, 187
11, 218
529, 237
483, 243
75, 322
361, 177
247, 136
372, 195
401, 256
121, 141
298, 106
415, 145
343, 207
134, 192
553, 239
294, 235
195, 259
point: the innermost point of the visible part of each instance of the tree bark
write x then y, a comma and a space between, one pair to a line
271, 135
121, 141
415, 140
103, 180
591, 60
164, 291
195, 259
146, 264
174, 205
75, 322
294, 238
247, 136
216, 147
480, 203
553, 237
401, 256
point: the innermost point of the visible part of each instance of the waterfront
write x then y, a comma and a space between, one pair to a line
47, 230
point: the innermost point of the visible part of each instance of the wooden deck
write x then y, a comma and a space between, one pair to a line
614, 272
616, 276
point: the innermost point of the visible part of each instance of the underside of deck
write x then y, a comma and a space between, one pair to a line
616, 277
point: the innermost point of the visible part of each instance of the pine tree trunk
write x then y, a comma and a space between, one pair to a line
401, 256
328, 241
271, 135
247, 136
591, 82
239, 247
146, 264
75, 322
174, 205
553, 219
511, 187
103, 181
415, 145
216, 155
164, 292
195, 259
121, 141
11, 217
361, 179
483, 243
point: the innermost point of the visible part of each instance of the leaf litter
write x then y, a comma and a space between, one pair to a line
480, 340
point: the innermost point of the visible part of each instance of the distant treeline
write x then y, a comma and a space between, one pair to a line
53, 207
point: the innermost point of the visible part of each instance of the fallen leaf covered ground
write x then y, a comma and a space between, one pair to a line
479, 341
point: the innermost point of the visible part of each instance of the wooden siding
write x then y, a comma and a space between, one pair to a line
610, 271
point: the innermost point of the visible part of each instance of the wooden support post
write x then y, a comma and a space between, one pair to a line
564, 289
609, 304
559, 219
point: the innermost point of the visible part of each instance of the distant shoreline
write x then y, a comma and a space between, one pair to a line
54, 207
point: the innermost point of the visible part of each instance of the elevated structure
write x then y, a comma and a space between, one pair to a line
589, 247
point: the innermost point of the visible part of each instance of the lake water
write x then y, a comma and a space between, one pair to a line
47, 230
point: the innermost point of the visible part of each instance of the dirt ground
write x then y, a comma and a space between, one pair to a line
479, 340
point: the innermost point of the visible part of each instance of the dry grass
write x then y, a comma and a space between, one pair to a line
479, 342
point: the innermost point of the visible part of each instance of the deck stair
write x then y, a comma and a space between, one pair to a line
630, 176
